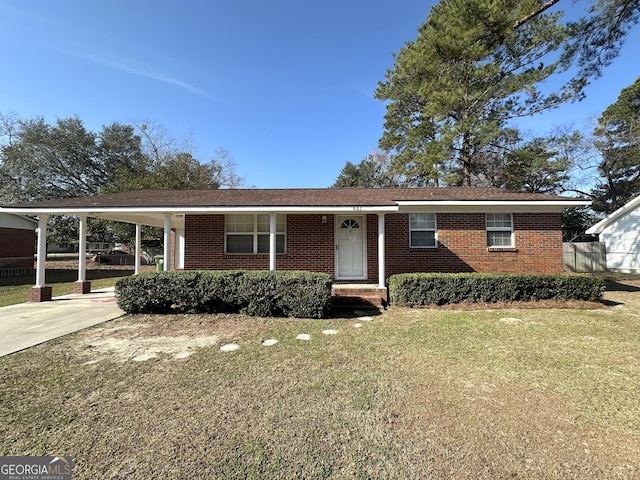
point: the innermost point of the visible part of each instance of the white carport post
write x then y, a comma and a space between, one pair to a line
138, 248
40, 292
381, 272
167, 242
272, 241
82, 286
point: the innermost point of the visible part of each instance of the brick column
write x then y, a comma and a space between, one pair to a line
40, 294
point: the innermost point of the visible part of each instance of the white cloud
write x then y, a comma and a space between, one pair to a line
140, 70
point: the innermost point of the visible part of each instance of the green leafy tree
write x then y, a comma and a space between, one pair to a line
576, 221
39, 161
617, 138
45, 162
371, 172
539, 165
166, 164
474, 66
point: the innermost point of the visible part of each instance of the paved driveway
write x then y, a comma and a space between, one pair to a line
28, 324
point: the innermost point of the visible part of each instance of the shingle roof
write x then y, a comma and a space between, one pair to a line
312, 197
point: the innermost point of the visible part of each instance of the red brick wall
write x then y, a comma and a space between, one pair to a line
15, 242
309, 245
461, 246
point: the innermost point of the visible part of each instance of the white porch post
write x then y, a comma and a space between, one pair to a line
82, 286
82, 249
272, 241
167, 242
138, 248
41, 257
40, 292
381, 259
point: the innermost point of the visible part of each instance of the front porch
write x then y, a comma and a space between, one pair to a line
363, 296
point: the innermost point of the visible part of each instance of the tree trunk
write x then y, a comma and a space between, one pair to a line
465, 159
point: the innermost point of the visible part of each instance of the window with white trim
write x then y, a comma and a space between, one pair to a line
499, 230
249, 233
422, 230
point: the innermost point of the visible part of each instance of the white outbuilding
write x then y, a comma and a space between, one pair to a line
620, 232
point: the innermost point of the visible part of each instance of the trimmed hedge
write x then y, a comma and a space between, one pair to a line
259, 293
415, 289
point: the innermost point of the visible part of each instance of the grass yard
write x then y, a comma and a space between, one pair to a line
61, 275
434, 393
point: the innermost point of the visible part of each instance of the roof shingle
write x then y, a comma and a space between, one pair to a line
311, 197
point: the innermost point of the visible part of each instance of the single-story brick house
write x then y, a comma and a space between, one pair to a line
356, 235
17, 244
620, 233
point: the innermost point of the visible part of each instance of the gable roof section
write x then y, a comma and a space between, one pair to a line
8, 220
623, 211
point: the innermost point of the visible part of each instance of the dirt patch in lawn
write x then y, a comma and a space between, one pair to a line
143, 337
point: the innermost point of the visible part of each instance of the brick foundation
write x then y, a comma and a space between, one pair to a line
40, 294
82, 288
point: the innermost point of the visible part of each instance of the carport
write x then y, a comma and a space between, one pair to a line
170, 221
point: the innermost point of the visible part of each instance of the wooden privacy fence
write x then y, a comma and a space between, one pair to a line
585, 257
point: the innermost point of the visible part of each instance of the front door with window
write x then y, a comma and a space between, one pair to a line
350, 247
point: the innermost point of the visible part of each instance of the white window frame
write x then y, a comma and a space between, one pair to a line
495, 222
433, 218
256, 232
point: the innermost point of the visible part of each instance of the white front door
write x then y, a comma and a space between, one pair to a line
350, 247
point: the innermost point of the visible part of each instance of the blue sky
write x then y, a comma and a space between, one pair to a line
286, 86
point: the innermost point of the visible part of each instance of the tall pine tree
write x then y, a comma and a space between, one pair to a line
474, 66
618, 141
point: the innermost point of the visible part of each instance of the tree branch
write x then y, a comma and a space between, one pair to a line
525, 19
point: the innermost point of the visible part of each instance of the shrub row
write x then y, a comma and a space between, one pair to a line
260, 293
415, 289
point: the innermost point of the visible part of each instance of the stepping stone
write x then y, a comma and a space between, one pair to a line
303, 336
357, 325
269, 342
229, 347
144, 357
365, 318
329, 332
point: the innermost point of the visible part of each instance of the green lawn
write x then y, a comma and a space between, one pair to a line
16, 289
434, 393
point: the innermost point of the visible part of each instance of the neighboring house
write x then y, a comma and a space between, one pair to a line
355, 235
17, 244
620, 232
72, 247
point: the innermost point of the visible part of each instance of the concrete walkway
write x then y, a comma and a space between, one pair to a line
28, 324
